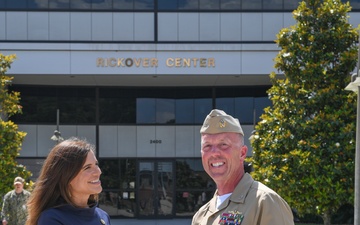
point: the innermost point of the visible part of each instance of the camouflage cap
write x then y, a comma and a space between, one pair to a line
219, 122
19, 180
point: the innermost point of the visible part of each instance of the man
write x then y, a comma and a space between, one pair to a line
14, 211
238, 200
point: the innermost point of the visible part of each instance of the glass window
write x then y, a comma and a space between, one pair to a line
35, 4
39, 105
167, 5
190, 174
122, 103
260, 104
80, 4
202, 109
184, 111
144, 4
59, 4
251, 4
188, 4
32, 165
123, 4
194, 187
2, 4
189, 202
76, 105
83, 99
273, 4
244, 110
165, 111
145, 110
110, 177
291, 4
209, 4
18, 4
230, 4
101, 4
118, 181
226, 104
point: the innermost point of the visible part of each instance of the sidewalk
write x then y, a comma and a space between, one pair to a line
150, 222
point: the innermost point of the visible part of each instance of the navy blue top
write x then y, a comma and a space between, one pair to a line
69, 215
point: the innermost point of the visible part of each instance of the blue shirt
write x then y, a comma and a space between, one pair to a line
69, 215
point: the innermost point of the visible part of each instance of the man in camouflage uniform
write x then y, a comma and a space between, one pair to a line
14, 211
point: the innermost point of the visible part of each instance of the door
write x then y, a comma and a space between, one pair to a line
155, 189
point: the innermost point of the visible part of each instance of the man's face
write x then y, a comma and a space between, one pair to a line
18, 187
223, 157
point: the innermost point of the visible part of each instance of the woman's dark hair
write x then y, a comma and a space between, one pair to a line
61, 166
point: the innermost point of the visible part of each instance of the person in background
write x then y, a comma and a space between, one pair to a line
67, 189
239, 199
14, 211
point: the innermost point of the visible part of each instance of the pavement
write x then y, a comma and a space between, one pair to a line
150, 222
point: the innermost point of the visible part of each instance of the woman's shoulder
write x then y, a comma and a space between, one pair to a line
51, 216
103, 215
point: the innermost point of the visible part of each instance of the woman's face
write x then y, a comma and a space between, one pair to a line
87, 181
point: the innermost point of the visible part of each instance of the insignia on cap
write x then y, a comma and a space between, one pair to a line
231, 218
102, 221
222, 123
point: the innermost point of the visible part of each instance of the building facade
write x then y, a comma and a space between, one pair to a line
137, 78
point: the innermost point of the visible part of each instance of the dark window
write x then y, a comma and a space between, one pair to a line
260, 104
146, 110
188, 4
291, 4
194, 187
230, 4
117, 105
35, 4
144, 4
80, 4
273, 5
123, 4
244, 109
101, 5
251, 4
167, 5
226, 104
18, 4
118, 181
209, 4
185, 111
59, 4
40, 104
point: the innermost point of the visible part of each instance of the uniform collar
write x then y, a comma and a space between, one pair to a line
238, 195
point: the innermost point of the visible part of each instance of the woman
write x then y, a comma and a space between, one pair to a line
67, 189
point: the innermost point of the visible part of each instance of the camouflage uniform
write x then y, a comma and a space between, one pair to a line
14, 207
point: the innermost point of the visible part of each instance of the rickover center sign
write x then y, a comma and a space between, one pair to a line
154, 62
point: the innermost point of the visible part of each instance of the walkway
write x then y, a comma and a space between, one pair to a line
150, 222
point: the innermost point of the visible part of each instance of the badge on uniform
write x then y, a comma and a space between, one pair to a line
231, 218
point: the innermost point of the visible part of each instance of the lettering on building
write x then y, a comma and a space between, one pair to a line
154, 62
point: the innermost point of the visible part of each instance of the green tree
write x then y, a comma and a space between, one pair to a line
10, 137
304, 145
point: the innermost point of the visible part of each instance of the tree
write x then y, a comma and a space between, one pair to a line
304, 145
10, 137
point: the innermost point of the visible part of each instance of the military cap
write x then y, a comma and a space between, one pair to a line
18, 180
219, 122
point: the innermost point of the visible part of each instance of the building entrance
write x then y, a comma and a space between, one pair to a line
155, 189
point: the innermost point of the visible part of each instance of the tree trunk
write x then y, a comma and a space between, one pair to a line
327, 218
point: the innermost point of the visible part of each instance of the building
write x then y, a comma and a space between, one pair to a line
137, 78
